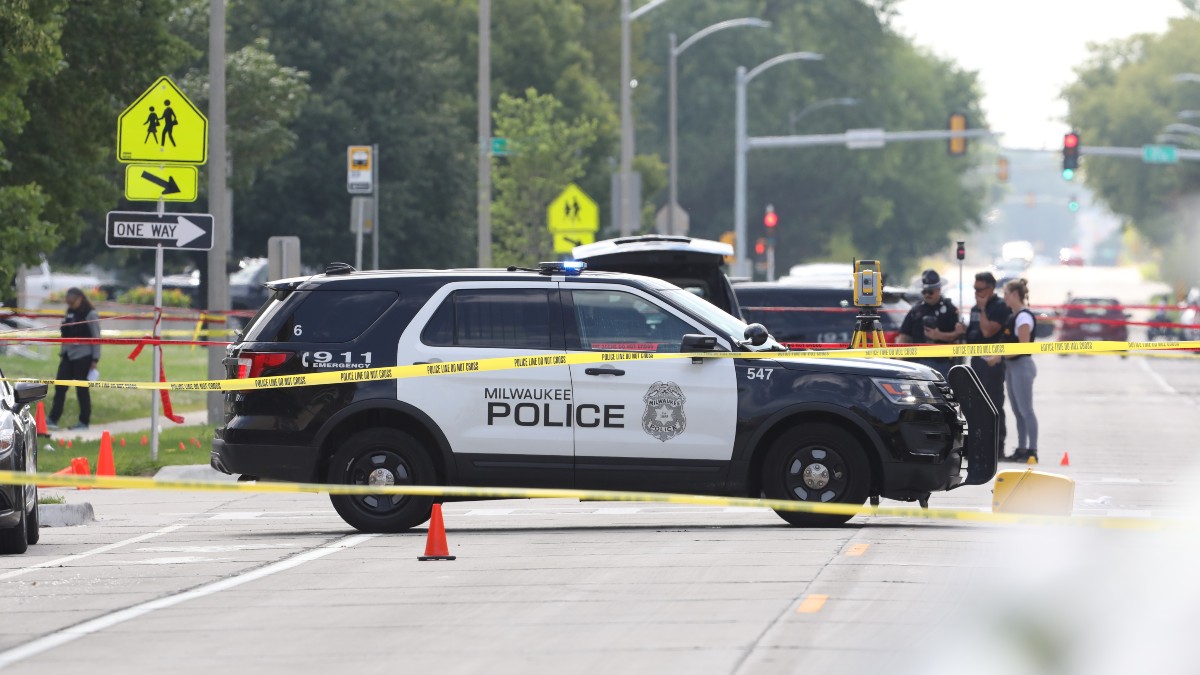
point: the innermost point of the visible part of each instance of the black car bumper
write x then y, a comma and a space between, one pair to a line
277, 462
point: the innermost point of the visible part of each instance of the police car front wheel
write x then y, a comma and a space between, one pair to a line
818, 464
382, 457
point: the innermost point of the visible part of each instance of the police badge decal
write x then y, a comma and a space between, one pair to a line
664, 418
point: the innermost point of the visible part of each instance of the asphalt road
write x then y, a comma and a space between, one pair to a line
203, 582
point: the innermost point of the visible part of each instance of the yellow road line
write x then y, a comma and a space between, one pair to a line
812, 604
858, 549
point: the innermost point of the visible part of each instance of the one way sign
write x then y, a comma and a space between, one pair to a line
179, 231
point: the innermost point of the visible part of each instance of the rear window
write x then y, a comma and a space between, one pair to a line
1107, 306
319, 316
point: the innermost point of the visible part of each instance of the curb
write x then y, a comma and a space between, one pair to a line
185, 472
65, 515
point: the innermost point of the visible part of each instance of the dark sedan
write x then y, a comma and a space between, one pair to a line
18, 452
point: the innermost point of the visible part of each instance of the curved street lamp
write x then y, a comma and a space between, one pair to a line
628, 210
826, 103
741, 144
673, 96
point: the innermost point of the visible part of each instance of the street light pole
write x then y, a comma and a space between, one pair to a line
484, 147
741, 145
627, 215
796, 117
673, 103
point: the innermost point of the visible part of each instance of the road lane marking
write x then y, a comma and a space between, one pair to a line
58, 562
1162, 382
812, 604
858, 549
72, 633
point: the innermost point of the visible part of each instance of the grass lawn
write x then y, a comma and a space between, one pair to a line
132, 459
182, 363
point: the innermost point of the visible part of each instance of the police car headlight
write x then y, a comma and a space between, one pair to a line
908, 392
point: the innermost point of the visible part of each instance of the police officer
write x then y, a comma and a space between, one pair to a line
935, 320
988, 317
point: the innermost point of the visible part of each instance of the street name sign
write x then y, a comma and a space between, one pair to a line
168, 182
162, 125
1160, 154
178, 231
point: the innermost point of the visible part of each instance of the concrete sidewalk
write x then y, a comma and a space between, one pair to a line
134, 426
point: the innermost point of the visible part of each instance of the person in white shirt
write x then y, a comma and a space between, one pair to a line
1021, 372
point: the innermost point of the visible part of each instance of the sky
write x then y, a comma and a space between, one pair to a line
1025, 51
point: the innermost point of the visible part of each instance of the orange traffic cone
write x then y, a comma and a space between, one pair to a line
181, 447
42, 430
69, 444
81, 468
435, 543
69, 471
104, 463
1066, 460
122, 441
144, 441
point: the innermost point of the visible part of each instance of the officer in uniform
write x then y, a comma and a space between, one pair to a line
935, 320
988, 317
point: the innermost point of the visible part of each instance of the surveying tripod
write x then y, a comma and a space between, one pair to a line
868, 332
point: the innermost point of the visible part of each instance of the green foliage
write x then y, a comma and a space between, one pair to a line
144, 295
547, 154
133, 458
1125, 95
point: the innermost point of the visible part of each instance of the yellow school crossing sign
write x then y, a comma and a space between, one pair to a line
573, 218
162, 126
168, 182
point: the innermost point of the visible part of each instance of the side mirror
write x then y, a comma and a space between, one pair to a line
756, 334
28, 392
695, 342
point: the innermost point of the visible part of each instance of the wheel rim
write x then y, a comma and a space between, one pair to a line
380, 467
816, 473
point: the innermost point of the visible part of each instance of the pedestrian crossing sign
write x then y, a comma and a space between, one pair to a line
573, 211
162, 126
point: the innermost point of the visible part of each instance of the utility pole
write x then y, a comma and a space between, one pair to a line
218, 277
484, 147
625, 180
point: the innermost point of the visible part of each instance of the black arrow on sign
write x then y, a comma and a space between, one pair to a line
169, 186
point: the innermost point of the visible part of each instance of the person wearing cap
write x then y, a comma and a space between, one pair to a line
933, 321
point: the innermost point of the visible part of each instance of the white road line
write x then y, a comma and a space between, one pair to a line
1162, 383
66, 635
58, 562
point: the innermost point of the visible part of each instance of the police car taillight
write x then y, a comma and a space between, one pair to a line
252, 364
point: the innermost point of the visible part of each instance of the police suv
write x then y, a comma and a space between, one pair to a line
816, 430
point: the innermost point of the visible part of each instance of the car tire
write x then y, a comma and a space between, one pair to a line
15, 539
33, 528
817, 463
382, 456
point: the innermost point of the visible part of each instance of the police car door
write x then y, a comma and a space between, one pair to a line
505, 427
658, 424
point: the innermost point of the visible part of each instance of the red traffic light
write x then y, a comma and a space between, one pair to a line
760, 247
770, 219
1071, 140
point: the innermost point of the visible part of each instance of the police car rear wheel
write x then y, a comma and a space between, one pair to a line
382, 457
819, 464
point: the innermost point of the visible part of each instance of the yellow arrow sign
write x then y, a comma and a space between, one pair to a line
171, 183
573, 211
162, 125
564, 242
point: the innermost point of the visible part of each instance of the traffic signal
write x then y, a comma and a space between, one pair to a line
1073, 205
961, 251
770, 219
1070, 155
1002, 169
957, 145
760, 247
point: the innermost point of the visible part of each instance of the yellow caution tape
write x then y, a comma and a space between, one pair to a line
584, 358
136, 483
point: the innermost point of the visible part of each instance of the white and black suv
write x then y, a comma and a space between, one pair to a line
818, 430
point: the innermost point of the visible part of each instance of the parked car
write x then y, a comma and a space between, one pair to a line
695, 265
1093, 319
18, 452
796, 313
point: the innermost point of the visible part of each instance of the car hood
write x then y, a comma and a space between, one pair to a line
895, 368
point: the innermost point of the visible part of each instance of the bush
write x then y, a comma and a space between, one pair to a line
144, 295
94, 295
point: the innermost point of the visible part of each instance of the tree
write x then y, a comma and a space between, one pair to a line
546, 153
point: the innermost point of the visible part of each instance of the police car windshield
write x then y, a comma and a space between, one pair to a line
729, 325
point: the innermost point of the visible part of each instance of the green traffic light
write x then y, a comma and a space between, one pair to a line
1073, 206
1068, 174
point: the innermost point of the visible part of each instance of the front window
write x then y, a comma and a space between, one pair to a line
730, 326
618, 321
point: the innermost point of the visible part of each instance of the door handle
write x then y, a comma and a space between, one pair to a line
425, 363
603, 371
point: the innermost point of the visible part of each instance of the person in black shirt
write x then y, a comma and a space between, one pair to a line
933, 321
988, 317
76, 360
